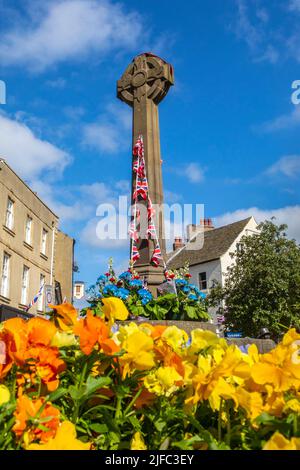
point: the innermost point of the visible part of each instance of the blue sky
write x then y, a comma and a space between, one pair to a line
229, 131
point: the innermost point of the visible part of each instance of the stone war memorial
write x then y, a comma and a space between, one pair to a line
143, 86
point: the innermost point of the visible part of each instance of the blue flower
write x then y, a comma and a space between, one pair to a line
194, 287
101, 279
136, 283
202, 295
110, 289
125, 276
122, 293
186, 290
181, 282
146, 300
192, 297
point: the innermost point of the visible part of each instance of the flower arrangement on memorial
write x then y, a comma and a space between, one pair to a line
70, 383
183, 300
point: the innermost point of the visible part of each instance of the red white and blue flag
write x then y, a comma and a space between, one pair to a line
35, 298
151, 211
135, 252
156, 255
138, 148
151, 232
133, 233
141, 188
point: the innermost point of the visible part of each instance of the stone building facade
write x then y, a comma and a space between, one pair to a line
32, 250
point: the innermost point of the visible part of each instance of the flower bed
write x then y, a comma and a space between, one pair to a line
84, 384
185, 302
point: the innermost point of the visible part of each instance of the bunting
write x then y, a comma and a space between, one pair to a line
135, 253
156, 255
142, 191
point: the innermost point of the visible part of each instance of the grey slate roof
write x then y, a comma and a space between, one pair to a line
216, 243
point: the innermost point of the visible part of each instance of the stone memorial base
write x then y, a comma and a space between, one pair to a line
263, 345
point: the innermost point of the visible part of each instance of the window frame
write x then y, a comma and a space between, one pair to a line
10, 215
29, 242
24, 298
201, 281
5, 293
44, 241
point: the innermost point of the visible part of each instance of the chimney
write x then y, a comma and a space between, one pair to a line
178, 243
206, 224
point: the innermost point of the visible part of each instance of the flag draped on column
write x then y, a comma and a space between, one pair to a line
142, 191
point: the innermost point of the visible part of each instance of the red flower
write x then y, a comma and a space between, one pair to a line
112, 279
107, 274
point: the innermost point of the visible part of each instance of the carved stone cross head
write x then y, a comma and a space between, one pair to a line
148, 76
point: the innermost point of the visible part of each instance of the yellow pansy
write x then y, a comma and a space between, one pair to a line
277, 368
220, 389
279, 442
251, 402
164, 381
63, 339
139, 352
137, 442
202, 339
4, 395
175, 337
114, 309
65, 439
292, 406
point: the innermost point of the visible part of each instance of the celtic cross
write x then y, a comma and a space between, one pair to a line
144, 84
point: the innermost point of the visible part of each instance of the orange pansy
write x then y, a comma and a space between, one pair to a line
28, 410
65, 316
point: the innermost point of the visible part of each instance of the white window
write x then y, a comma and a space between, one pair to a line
40, 305
44, 242
9, 222
5, 275
28, 230
25, 282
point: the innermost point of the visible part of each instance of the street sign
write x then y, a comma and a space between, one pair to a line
233, 334
48, 297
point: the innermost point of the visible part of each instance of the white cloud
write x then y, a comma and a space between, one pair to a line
111, 131
288, 166
194, 173
94, 236
285, 121
104, 137
289, 215
123, 185
62, 30
26, 153
253, 30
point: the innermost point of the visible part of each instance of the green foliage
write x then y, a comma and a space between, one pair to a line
262, 288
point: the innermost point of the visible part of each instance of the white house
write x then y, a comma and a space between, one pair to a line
210, 261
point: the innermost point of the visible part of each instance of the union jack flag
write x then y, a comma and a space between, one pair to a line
138, 148
141, 188
36, 297
135, 253
135, 165
151, 232
133, 233
151, 211
156, 255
